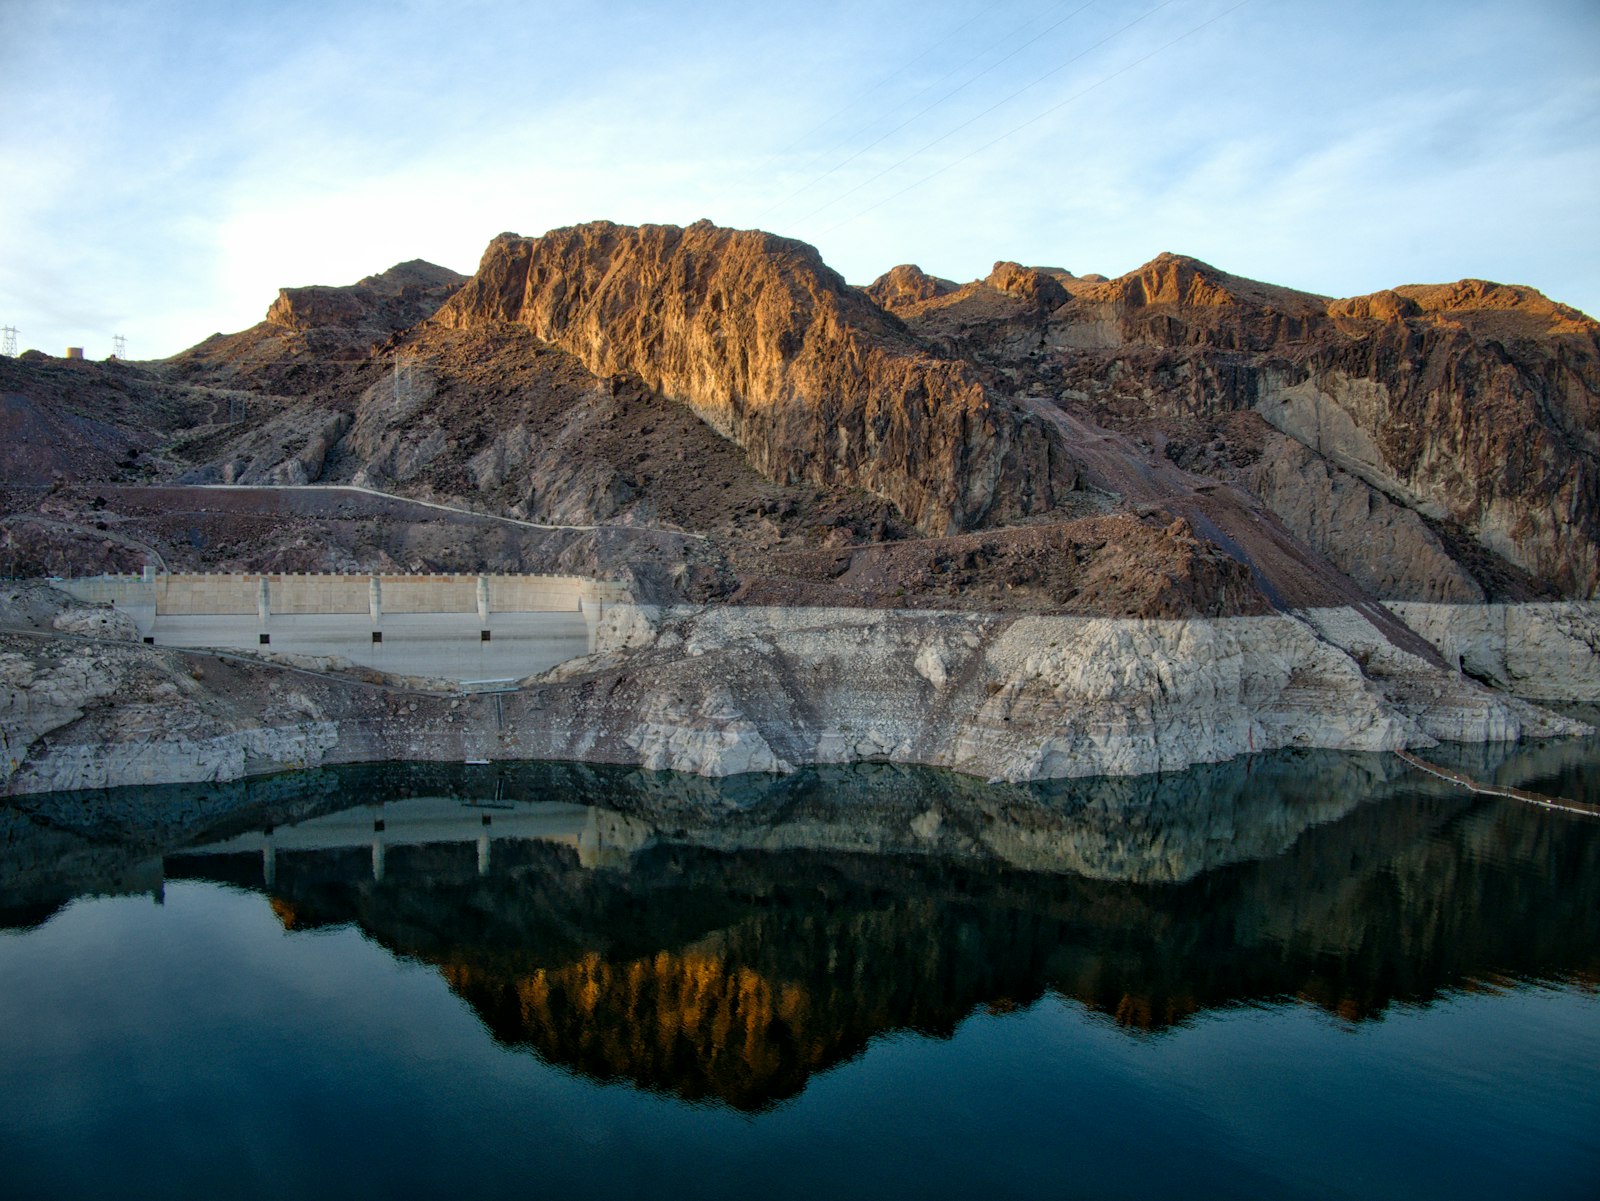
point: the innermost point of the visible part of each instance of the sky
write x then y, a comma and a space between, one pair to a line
167, 165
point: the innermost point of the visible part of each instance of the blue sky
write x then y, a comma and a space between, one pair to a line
169, 164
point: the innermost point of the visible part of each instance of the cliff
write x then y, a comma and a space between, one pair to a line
1471, 403
774, 351
311, 326
1456, 421
904, 286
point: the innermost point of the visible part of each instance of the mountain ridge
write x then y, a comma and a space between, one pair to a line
1430, 441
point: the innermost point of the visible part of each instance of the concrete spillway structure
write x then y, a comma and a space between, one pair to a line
469, 628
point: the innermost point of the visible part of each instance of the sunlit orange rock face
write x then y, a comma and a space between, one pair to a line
773, 350
692, 1024
906, 285
1433, 443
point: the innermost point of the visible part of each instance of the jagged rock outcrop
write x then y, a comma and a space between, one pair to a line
1176, 301
906, 285
392, 300
1177, 279
1474, 421
777, 353
1040, 290
1385, 547
1473, 404
1484, 296
1386, 305
289, 452
306, 329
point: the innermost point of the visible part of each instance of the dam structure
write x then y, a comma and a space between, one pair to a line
475, 630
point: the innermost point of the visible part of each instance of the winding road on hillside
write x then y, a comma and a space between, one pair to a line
433, 504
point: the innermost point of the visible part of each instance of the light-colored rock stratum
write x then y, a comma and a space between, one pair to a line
721, 690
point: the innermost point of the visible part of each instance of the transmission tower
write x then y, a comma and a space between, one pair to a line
119, 347
8, 341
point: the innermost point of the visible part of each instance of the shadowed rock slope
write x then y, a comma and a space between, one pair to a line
1436, 442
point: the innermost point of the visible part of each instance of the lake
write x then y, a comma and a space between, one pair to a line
1294, 975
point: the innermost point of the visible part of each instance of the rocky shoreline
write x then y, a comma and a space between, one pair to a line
721, 690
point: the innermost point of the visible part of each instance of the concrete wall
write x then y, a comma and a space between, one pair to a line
206, 594
119, 590
446, 646
229, 594
431, 625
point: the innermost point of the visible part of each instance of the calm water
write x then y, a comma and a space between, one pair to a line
1293, 976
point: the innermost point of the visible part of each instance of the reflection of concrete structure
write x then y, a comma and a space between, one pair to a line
600, 838
460, 627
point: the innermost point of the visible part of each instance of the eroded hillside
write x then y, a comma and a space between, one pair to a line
1174, 441
1435, 442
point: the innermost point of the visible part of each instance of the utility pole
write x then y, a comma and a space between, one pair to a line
119, 347
8, 341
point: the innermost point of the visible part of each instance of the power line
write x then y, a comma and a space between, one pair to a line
1056, 70
8, 341
119, 347
927, 108
1038, 116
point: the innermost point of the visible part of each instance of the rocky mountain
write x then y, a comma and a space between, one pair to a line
340, 322
776, 353
1036, 525
1435, 442
912, 441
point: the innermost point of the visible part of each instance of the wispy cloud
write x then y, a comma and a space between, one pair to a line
179, 161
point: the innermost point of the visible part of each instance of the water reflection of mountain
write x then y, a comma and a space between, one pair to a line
730, 941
